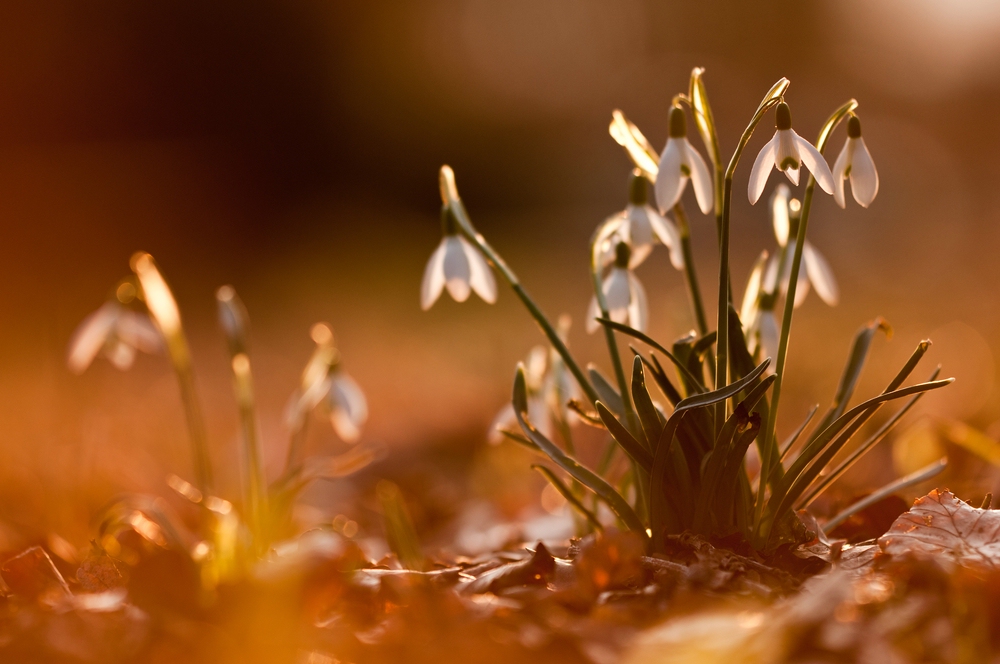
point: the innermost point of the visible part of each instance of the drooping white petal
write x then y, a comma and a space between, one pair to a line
456, 269
480, 274
700, 178
617, 294
138, 331
639, 231
593, 313
815, 162
793, 175
535, 368
802, 284
864, 177
670, 181
667, 233
433, 283
540, 416
761, 169
767, 328
348, 407
787, 155
638, 307
91, 335
749, 307
779, 213
120, 354
612, 230
770, 279
840, 173
820, 275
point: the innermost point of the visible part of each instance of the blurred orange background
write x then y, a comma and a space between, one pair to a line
290, 148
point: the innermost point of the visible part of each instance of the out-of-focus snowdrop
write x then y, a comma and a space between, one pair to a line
114, 331
785, 213
457, 266
327, 386
641, 227
855, 163
550, 386
760, 326
624, 295
787, 152
679, 163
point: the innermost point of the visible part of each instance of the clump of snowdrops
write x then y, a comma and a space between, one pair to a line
689, 467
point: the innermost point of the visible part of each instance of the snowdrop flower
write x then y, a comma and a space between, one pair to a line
457, 266
550, 386
816, 272
679, 163
538, 406
787, 151
640, 226
326, 385
624, 295
760, 327
855, 162
116, 331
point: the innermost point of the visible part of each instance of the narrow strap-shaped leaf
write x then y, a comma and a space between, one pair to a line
635, 450
578, 471
797, 433
632, 332
782, 495
728, 482
917, 477
704, 344
649, 418
865, 447
662, 380
566, 493
860, 348
609, 395
715, 396
714, 463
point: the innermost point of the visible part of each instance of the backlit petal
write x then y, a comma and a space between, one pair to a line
667, 233
593, 313
839, 170
348, 406
670, 181
480, 274
640, 233
617, 295
749, 306
787, 154
815, 162
138, 331
91, 335
430, 288
700, 178
456, 269
864, 177
820, 275
779, 213
768, 329
638, 308
793, 175
121, 354
761, 169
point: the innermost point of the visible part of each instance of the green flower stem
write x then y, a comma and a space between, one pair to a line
691, 277
786, 319
642, 481
465, 226
772, 97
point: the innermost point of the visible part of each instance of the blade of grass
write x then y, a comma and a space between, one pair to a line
635, 450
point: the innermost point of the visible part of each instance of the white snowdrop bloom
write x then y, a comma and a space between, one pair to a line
624, 295
347, 405
327, 386
457, 266
679, 163
763, 339
855, 162
752, 294
815, 272
538, 407
641, 227
115, 331
787, 151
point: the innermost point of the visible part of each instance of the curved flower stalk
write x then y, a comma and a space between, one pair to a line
457, 266
787, 151
114, 331
679, 163
641, 227
623, 293
325, 385
855, 162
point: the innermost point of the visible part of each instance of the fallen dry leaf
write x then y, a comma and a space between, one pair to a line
940, 525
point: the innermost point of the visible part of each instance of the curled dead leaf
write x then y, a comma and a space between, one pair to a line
941, 526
